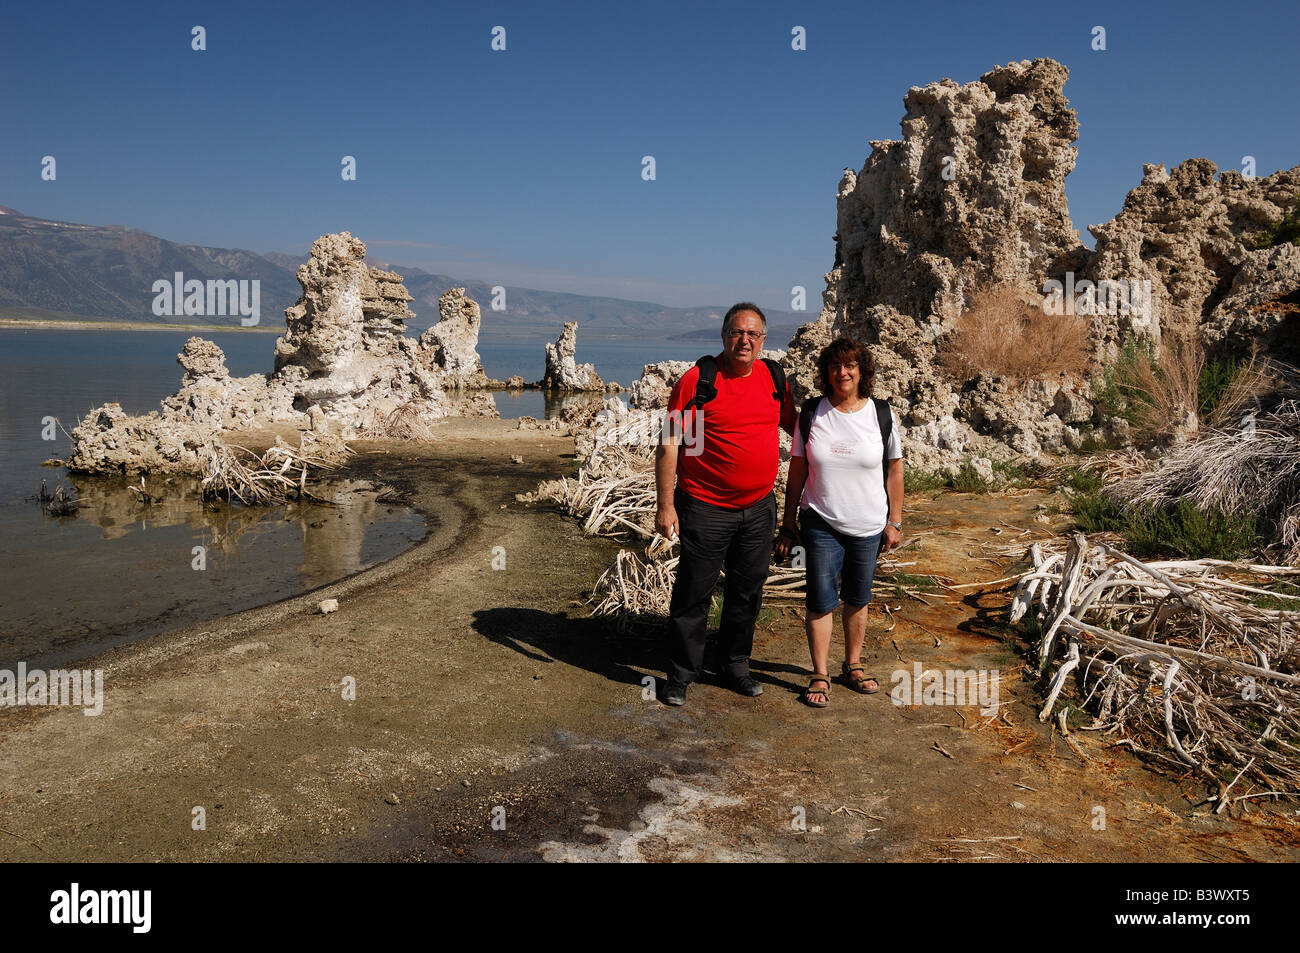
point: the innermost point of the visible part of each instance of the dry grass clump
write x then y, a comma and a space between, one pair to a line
1163, 395
408, 421
1252, 474
1174, 392
1003, 334
1249, 385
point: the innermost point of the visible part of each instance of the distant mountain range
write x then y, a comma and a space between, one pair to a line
107, 272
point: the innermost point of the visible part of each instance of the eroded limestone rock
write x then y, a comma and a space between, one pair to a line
1262, 305
1191, 234
972, 196
652, 389
974, 193
107, 440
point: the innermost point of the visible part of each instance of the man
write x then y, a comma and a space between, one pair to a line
717, 497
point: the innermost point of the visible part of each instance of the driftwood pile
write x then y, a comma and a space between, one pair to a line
614, 491
1198, 657
635, 593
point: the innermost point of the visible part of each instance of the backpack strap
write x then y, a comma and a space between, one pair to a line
886, 420
806, 414
778, 379
705, 388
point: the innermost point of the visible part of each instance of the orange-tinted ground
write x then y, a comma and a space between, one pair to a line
493, 719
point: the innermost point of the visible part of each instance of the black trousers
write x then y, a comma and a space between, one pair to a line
715, 538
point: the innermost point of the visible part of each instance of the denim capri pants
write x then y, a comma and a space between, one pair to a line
831, 558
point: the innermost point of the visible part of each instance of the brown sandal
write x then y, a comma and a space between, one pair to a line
857, 683
825, 680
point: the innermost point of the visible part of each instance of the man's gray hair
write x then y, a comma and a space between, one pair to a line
736, 309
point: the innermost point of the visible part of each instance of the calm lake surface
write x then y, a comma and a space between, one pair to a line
119, 571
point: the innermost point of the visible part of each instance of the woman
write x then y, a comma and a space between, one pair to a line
852, 507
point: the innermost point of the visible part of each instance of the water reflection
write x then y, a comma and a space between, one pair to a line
140, 569
541, 404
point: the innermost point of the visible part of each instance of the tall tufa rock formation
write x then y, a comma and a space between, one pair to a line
345, 348
562, 369
452, 343
973, 195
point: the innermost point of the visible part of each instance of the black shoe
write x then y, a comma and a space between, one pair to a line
745, 685
674, 693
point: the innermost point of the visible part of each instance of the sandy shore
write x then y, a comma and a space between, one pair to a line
486, 697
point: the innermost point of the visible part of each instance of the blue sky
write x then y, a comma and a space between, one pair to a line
524, 167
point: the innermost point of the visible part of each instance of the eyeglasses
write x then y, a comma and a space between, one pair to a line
844, 367
752, 335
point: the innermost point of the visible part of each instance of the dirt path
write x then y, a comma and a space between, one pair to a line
484, 695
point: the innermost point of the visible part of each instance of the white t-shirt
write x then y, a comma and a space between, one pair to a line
846, 484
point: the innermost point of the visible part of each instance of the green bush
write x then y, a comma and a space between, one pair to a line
912, 581
1096, 441
1181, 531
1115, 392
1213, 384
1082, 480
968, 480
1017, 474
1279, 602
920, 481
1287, 230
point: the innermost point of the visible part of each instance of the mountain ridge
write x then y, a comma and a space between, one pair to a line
107, 272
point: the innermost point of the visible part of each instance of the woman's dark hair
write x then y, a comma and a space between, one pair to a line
846, 351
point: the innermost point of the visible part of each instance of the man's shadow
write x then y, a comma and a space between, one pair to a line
589, 643
596, 645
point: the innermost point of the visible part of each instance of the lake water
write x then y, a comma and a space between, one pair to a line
615, 361
119, 571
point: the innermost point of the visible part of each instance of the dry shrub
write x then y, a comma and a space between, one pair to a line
1176, 392
1001, 333
408, 421
239, 475
1163, 392
1251, 475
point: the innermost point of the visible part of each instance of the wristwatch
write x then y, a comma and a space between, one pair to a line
898, 526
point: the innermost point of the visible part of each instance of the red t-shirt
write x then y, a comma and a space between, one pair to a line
740, 449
